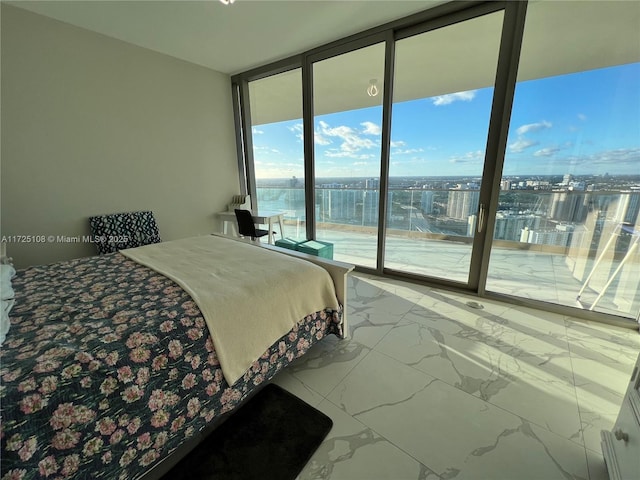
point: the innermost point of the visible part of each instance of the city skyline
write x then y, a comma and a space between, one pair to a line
586, 123
621, 181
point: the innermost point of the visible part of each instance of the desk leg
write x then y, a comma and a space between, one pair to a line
225, 228
281, 228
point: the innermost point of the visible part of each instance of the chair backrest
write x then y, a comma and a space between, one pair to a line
118, 231
246, 227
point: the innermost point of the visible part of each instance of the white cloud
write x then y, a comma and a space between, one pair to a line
371, 128
615, 157
407, 151
454, 97
469, 157
334, 153
320, 140
521, 144
533, 127
352, 141
546, 152
297, 129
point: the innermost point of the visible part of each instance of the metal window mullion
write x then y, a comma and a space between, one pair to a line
387, 103
506, 77
237, 122
308, 142
247, 138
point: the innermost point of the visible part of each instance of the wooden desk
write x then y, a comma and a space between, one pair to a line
265, 217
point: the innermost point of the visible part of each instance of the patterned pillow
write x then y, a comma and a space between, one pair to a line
123, 230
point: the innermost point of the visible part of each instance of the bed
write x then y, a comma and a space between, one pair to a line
109, 368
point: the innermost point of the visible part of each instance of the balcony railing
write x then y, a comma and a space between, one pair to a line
570, 230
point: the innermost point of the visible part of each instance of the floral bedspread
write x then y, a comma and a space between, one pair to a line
109, 366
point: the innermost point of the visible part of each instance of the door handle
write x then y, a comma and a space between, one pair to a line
481, 212
620, 435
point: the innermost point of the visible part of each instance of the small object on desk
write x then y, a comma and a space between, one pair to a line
242, 202
317, 248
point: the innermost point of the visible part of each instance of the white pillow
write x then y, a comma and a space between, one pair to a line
6, 293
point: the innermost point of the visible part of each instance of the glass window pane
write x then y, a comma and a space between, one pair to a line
278, 151
443, 90
567, 227
347, 95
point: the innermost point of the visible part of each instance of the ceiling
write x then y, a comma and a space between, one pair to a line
227, 38
560, 37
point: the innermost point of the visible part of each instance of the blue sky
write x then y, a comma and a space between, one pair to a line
582, 123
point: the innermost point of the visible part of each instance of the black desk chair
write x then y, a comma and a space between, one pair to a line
246, 226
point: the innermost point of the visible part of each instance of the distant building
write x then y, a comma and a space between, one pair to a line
569, 207
294, 182
426, 202
370, 204
559, 236
372, 184
581, 186
627, 208
538, 184
509, 226
462, 203
338, 205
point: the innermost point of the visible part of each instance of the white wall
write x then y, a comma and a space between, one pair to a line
93, 125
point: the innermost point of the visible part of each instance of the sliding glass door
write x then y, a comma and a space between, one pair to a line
347, 105
567, 229
442, 97
420, 160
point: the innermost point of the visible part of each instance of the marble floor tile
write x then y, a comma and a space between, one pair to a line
374, 310
603, 343
596, 465
600, 386
400, 288
527, 452
297, 387
592, 424
363, 330
352, 451
534, 385
428, 387
454, 434
361, 291
327, 363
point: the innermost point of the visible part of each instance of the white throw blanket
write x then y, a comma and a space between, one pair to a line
249, 296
